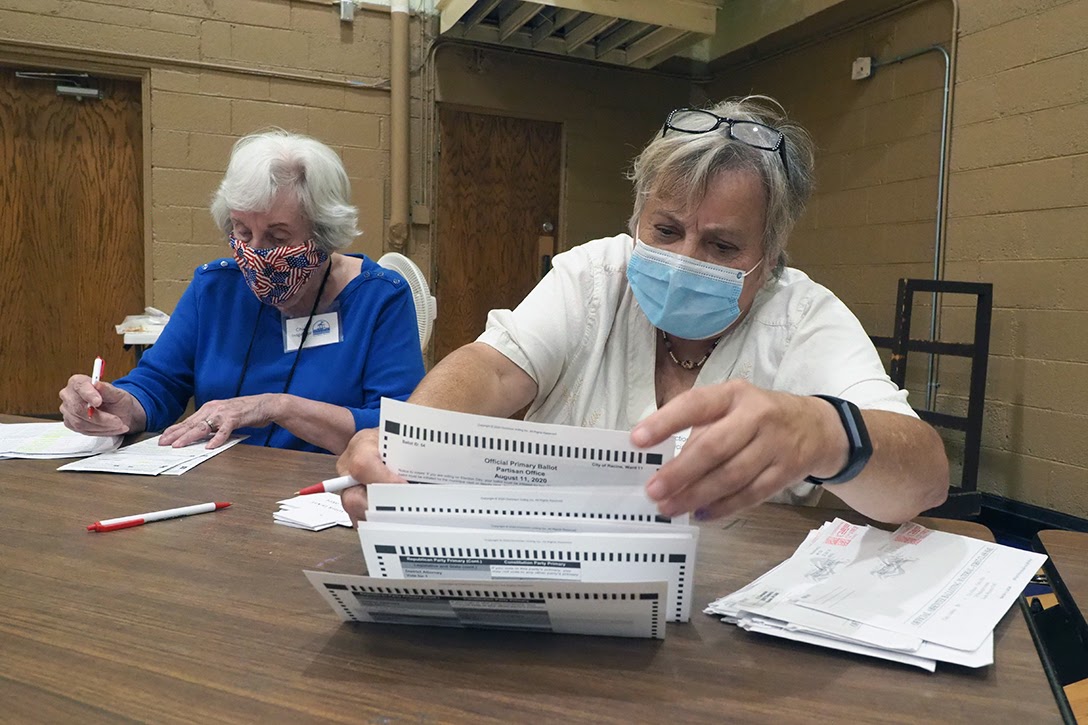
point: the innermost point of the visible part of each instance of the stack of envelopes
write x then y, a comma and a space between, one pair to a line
913, 595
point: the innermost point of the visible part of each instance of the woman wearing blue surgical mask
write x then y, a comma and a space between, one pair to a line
694, 321
288, 340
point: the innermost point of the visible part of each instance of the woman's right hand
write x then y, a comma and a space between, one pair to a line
115, 411
362, 461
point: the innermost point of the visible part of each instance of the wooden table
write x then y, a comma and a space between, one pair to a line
210, 619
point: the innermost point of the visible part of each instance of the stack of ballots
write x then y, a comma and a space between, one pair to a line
524, 526
913, 595
314, 512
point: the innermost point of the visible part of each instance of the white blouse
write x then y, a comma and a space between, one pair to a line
582, 337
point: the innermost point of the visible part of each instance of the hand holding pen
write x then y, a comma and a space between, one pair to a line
94, 407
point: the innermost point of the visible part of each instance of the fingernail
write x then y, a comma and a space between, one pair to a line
701, 514
655, 489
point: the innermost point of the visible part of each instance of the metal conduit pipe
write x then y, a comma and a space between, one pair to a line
400, 93
942, 173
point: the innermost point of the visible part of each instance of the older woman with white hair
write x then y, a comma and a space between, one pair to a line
695, 321
290, 342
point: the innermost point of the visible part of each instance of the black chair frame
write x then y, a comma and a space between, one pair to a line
964, 500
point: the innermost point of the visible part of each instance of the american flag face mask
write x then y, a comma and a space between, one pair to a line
275, 275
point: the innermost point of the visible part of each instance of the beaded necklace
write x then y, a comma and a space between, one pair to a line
688, 364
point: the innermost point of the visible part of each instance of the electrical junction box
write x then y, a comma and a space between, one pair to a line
862, 68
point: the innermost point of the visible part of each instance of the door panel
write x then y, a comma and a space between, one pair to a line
71, 235
498, 186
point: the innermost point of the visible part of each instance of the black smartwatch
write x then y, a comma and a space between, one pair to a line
861, 448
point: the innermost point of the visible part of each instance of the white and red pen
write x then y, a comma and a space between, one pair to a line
125, 522
330, 486
96, 375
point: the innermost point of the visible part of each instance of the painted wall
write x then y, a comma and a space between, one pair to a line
213, 72
1017, 207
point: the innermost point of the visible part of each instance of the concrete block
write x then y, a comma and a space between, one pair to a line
269, 46
234, 85
253, 116
171, 224
169, 149
210, 152
183, 187
188, 112
307, 94
343, 128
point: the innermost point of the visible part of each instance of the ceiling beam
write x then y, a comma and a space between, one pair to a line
552, 25
489, 34
482, 10
695, 16
451, 11
669, 50
623, 34
588, 29
652, 43
517, 19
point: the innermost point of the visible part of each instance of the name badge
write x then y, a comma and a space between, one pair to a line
324, 330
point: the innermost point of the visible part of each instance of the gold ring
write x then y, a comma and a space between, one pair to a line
212, 427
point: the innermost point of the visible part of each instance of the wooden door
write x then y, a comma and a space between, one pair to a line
71, 235
498, 195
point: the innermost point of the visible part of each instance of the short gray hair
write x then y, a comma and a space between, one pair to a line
262, 164
680, 166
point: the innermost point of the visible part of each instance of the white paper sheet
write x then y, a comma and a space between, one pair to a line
50, 440
426, 445
437, 553
947, 589
603, 503
314, 512
148, 458
620, 609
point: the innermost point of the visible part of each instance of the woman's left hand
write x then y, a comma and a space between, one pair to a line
746, 445
217, 419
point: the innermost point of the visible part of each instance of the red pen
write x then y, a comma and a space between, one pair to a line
96, 375
125, 522
330, 486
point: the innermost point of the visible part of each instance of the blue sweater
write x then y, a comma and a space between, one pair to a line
201, 350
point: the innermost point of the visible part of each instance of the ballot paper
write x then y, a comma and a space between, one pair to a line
426, 445
437, 553
583, 503
50, 440
619, 609
148, 458
866, 582
314, 512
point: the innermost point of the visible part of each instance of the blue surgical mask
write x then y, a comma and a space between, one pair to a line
684, 297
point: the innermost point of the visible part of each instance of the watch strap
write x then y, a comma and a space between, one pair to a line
857, 436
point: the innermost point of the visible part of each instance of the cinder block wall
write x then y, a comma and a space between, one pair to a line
212, 73
1017, 208
1018, 211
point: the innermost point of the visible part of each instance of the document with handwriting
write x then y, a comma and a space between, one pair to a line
50, 440
148, 458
